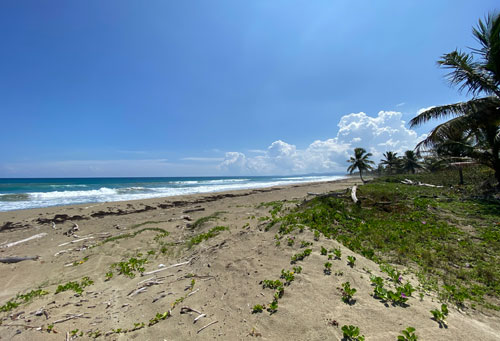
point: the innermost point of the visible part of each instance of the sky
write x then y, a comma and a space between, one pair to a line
191, 88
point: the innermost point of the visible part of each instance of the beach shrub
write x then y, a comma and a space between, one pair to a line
347, 293
440, 315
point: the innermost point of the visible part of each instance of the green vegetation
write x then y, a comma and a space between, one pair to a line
75, 286
159, 317
351, 333
288, 276
300, 256
351, 260
161, 232
440, 315
258, 308
129, 267
22, 298
328, 268
449, 237
206, 219
205, 236
267, 283
408, 335
347, 293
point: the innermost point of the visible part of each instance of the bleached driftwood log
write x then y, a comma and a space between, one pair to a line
76, 241
353, 194
36, 236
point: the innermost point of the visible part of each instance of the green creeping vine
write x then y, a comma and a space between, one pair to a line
75, 286
22, 298
300, 256
351, 333
205, 236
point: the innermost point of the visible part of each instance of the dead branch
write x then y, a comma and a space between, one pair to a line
54, 226
208, 325
71, 317
185, 310
199, 317
17, 259
193, 292
62, 251
36, 236
72, 230
166, 268
77, 240
138, 291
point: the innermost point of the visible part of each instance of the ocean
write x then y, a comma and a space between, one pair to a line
16, 194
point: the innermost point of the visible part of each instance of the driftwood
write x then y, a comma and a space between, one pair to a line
166, 268
71, 317
208, 325
72, 230
185, 310
36, 236
194, 210
353, 194
409, 182
17, 259
76, 241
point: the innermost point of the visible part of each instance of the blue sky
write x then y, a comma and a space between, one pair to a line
178, 88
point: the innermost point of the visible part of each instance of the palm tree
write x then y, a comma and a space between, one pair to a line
391, 161
479, 118
360, 161
410, 162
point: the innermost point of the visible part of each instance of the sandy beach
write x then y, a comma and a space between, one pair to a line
192, 279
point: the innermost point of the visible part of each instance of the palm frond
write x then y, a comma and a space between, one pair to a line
468, 74
479, 105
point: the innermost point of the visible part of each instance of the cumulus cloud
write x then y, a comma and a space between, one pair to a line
384, 132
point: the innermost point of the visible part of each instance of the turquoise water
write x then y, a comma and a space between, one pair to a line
31, 193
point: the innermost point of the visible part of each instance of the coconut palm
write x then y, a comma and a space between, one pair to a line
410, 162
360, 161
479, 118
390, 160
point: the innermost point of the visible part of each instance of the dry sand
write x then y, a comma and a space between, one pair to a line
227, 270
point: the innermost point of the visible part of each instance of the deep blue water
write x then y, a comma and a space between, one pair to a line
30, 193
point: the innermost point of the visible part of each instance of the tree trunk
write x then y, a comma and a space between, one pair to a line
461, 174
361, 176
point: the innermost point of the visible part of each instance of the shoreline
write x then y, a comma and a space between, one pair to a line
175, 200
95, 193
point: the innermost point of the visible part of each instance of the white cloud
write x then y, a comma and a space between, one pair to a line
385, 132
